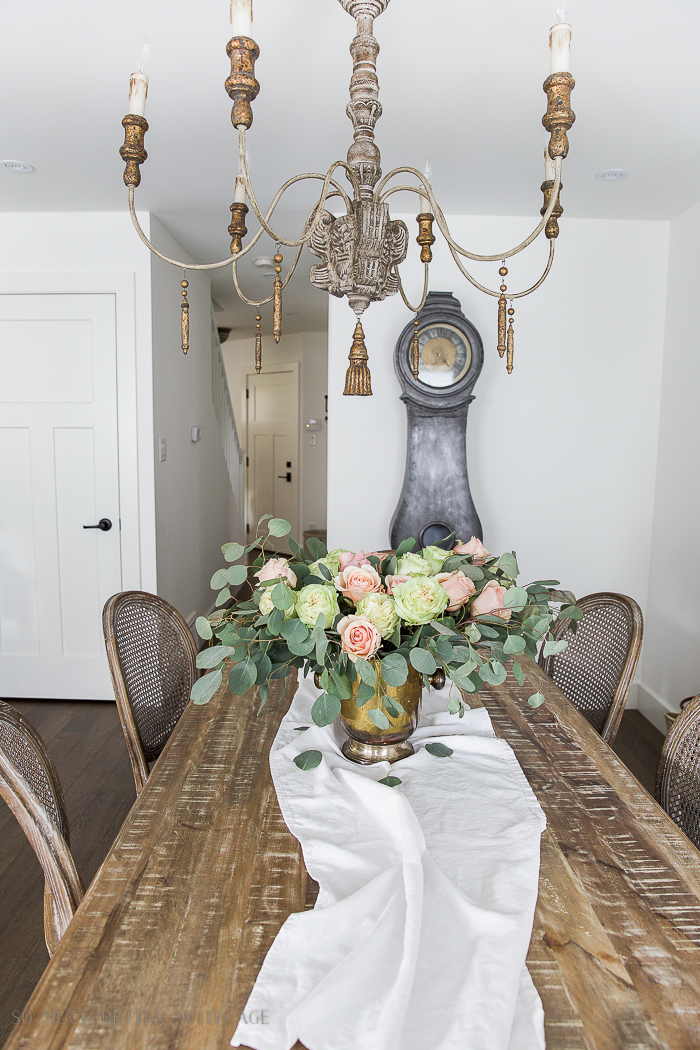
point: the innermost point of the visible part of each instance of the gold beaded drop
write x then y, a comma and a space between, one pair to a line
185, 317
258, 344
502, 315
277, 304
415, 355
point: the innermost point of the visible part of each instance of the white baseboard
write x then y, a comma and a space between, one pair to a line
650, 705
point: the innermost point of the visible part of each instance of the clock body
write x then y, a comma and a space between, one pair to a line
436, 499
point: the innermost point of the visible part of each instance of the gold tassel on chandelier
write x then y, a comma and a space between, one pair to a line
358, 381
415, 359
185, 317
277, 305
509, 357
258, 345
502, 315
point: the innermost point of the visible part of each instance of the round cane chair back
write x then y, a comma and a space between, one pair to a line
596, 669
29, 784
678, 776
151, 655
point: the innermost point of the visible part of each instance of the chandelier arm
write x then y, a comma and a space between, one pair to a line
261, 302
413, 309
263, 219
440, 218
509, 295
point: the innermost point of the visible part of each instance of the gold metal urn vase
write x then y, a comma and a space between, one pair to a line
368, 743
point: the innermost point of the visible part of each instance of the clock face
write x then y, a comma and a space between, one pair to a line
445, 355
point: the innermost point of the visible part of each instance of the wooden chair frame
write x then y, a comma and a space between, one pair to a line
113, 606
63, 890
598, 600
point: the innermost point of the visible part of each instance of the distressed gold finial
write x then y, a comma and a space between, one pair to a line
415, 360
502, 315
258, 344
277, 304
185, 317
509, 356
358, 381
551, 230
237, 230
425, 235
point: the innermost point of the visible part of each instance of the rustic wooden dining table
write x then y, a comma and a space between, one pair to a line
166, 945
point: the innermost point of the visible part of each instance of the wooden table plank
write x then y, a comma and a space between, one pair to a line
182, 913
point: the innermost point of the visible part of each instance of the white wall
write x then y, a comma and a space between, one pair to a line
195, 510
99, 251
562, 453
671, 660
310, 350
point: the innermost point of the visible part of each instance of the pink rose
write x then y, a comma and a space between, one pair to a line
277, 568
358, 637
475, 549
348, 558
459, 587
394, 581
355, 581
490, 601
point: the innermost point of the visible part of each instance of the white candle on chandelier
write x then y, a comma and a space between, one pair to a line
548, 167
242, 18
424, 202
138, 85
239, 192
560, 41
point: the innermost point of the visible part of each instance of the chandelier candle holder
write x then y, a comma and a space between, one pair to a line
360, 252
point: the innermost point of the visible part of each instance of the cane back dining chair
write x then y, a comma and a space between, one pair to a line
29, 784
151, 655
596, 669
678, 775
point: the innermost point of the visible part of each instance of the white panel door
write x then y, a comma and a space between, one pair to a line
58, 473
273, 453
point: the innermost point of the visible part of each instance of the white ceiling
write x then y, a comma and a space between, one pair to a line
460, 82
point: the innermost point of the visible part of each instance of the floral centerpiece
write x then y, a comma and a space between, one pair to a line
364, 622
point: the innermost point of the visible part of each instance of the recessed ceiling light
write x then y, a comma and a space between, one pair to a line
19, 167
612, 175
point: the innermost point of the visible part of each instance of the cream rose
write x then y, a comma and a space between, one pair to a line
458, 586
435, 556
381, 611
314, 599
277, 568
413, 565
490, 601
358, 637
420, 599
475, 549
355, 581
266, 605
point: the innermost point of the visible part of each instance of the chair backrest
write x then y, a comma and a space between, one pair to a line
596, 669
151, 654
678, 776
30, 786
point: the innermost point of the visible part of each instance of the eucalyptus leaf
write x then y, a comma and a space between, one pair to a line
325, 571
392, 706
515, 598
472, 632
493, 672
232, 551
473, 572
366, 672
379, 718
551, 648
454, 705
294, 630
321, 646
262, 693
317, 549
308, 760
486, 631
452, 563
213, 656
340, 684
282, 596
461, 652
365, 692
203, 627
325, 710
275, 621
390, 781
423, 661
545, 583
535, 700
394, 669
218, 579
263, 518
242, 676
518, 673
300, 648
439, 750
236, 575
205, 687
508, 564
513, 644
278, 527
301, 729
444, 649
279, 671
461, 676
406, 545
571, 612
264, 669
223, 596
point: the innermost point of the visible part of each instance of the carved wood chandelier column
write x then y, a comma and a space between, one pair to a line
360, 251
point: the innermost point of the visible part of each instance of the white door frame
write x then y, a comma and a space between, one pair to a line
134, 415
274, 366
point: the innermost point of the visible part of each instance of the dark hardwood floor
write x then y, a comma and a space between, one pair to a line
86, 742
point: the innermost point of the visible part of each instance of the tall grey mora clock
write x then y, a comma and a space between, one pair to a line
436, 500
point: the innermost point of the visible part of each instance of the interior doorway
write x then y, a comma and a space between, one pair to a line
272, 443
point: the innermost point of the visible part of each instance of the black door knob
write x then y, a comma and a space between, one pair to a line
285, 477
104, 524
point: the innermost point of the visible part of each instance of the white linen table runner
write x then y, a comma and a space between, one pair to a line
427, 895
